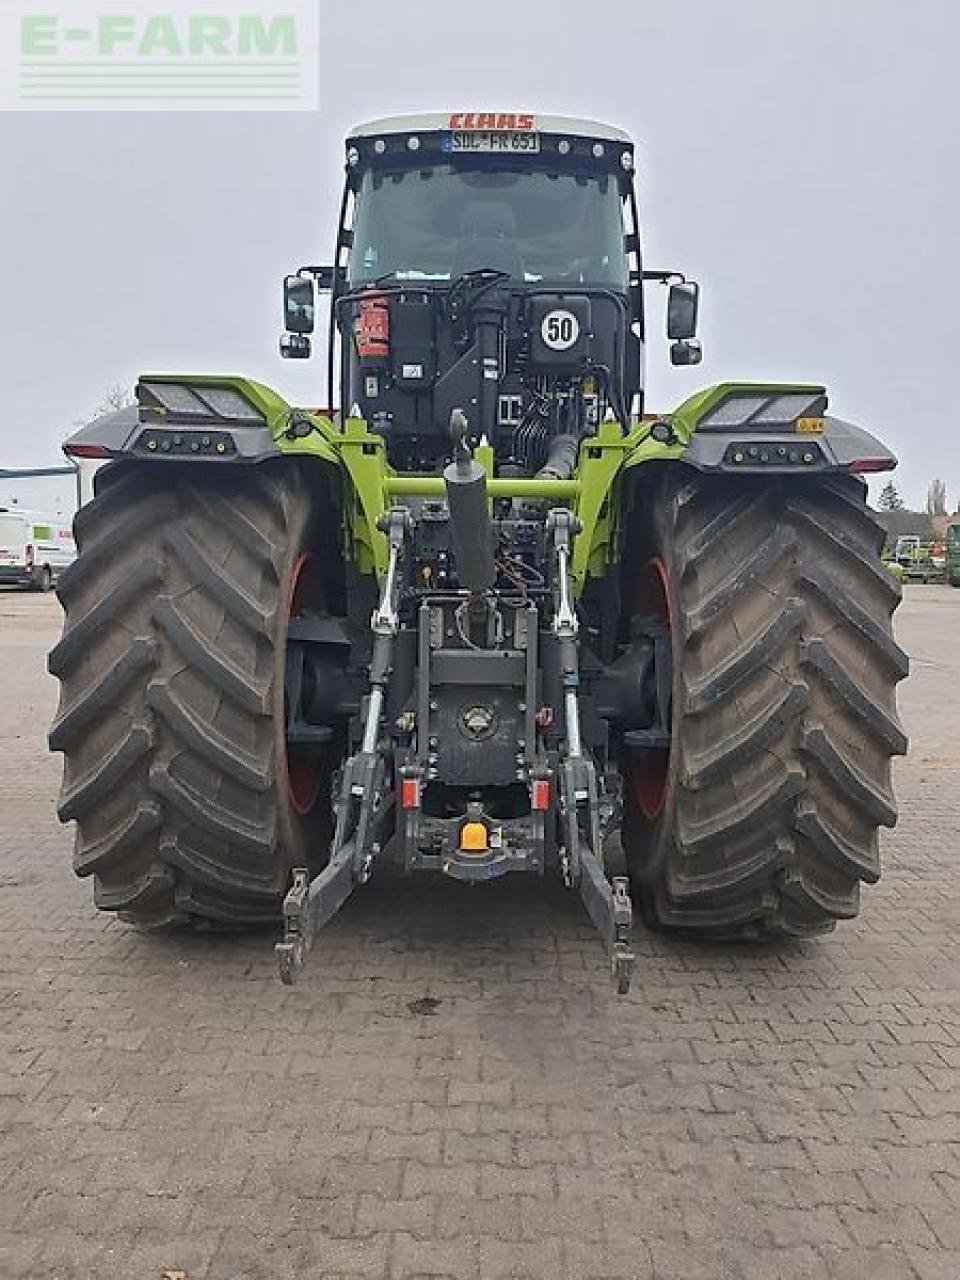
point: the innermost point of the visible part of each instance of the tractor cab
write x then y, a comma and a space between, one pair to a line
488, 201
487, 262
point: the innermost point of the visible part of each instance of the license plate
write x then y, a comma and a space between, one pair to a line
473, 140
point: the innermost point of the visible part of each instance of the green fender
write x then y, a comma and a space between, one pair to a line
369, 486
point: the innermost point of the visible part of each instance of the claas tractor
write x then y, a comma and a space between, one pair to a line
483, 613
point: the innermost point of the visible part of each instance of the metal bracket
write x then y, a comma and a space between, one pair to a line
657, 736
608, 905
365, 804
290, 950
607, 902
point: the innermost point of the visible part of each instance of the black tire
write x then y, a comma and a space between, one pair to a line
171, 715
784, 715
43, 580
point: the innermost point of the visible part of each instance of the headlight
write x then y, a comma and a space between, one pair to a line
175, 401
772, 411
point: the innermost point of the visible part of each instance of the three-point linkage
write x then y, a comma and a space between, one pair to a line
581, 852
364, 807
469, 728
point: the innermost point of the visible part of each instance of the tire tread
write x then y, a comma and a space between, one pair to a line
168, 666
785, 706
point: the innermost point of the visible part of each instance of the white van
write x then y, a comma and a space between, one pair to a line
34, 548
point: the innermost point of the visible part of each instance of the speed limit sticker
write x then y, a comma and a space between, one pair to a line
560, 330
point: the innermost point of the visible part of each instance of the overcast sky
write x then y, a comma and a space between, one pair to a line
798, 157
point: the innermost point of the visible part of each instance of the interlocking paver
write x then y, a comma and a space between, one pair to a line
743, 1114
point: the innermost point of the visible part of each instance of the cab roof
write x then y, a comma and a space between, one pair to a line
512, 121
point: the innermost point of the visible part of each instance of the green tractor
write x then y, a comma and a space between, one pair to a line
483, 613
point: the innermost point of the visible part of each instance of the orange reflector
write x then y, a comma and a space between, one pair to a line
540, 795
410, 793
473, 837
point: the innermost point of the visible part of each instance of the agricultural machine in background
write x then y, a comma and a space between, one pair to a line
913, 560
490, 612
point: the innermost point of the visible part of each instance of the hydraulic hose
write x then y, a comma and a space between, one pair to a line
561, 458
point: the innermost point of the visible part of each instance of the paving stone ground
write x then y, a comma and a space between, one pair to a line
166, 1107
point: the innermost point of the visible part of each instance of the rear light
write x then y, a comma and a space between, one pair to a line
410, 793
86, 451
869, 464
540, 795
30, 554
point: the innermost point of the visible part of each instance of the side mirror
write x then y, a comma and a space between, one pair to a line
298, 304
683, 303
686, 352
295, 346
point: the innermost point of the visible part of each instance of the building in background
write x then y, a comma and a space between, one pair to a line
905, 524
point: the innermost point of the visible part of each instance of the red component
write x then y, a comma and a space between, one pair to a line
86, 451
371, 328
30, 555
869, 464
506, 121
540, 795
410, 793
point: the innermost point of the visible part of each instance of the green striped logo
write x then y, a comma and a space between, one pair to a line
138, 55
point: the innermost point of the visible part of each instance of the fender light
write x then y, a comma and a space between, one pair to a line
87, 451
154, 441
870, 464
162, 402
773, 454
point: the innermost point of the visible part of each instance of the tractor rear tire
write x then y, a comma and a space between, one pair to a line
171, 715
762, 820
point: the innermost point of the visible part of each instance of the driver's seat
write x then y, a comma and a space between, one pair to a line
488, 238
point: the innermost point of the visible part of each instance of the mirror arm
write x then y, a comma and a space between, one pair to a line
324, 276
665, 277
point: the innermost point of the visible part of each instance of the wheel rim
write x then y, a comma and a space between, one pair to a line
650, 768
304, 771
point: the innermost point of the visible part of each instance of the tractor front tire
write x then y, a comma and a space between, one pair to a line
762, 819
171, 716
